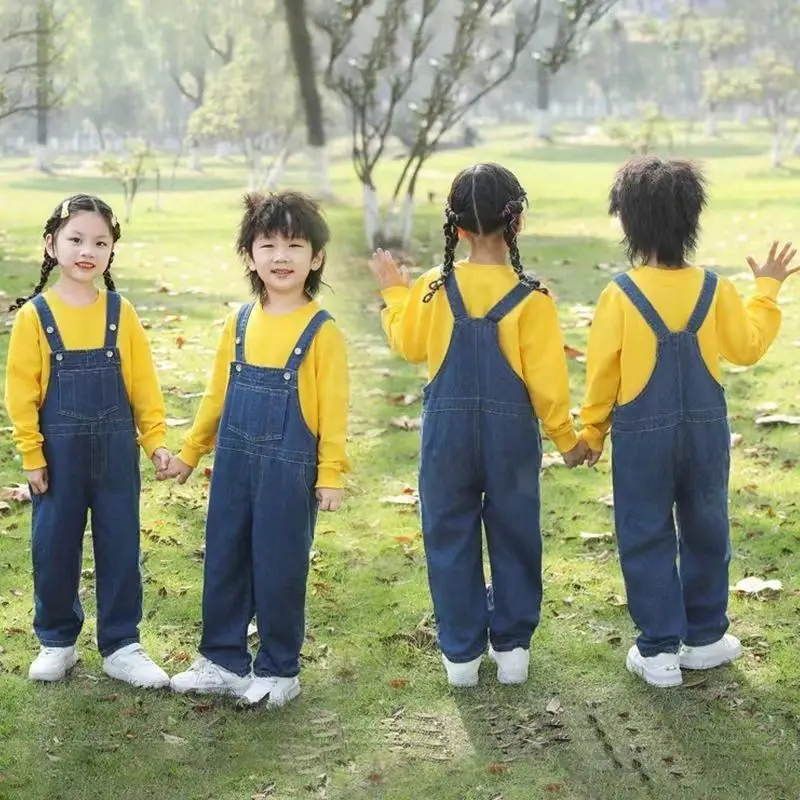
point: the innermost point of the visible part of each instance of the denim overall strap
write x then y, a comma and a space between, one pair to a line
456, 300
241, 329
508, 303
703, 303
48, 322
642, 305
113, 306
306, 337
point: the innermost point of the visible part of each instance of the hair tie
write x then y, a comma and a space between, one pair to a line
513, 208
65, 209
452, 217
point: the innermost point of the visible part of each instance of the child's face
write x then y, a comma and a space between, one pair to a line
283, 264
82, 247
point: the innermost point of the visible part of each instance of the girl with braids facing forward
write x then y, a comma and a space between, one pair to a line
79, 382
496, 365
653, 378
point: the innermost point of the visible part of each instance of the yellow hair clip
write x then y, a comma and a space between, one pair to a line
65, 209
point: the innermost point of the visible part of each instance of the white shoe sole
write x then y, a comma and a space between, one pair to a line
667, 682
54, 677
224, 691
508, 677
700, 663
268, 700
124, 677
467, 675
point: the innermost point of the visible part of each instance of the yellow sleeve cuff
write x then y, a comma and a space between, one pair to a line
330, 479
768, 287
34, 460
395, 295
593, 439
565, 441
152, 442
190, 456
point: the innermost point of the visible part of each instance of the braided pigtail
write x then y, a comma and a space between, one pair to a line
511, 214
107, 279
450, 229
48, 265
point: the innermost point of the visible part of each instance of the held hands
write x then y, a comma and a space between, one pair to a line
777, 264
161, 458
329, 499
388, 273
38, 480
177, 469
581, 454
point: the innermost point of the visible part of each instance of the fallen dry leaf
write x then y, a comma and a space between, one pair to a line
757, 587
398, 683
19, 493
607, 500
177, 422
554, 706
778, 419
497, 769
404, 399
597, 537
736, 439
180, 341
170, 739
409, 497
406, 423
574, 353
552, 460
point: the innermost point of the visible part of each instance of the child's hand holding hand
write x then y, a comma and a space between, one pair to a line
176, 469
329, 499
593, 457
776, 266
161, 458
387, 271
38, 480
575, 457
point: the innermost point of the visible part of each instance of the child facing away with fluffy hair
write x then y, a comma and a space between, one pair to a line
496, 366
276, 410
654, 379
79, 382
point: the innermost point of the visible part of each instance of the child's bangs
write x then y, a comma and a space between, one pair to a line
282, 219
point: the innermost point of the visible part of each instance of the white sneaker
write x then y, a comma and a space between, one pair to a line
512, 666
132, 665
206, 677
727, 649
462, 675
278, 691
53, 663
663, 670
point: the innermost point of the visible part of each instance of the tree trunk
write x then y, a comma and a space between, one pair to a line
777, 144
372, 215
43, 46
303, 55
544, 123
277, 170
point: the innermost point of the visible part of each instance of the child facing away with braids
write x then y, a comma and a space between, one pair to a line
496, 366
80, 381
276, 412
654, 380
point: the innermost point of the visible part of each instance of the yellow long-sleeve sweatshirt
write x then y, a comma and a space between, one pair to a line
323, 385
622, 347
530, 336
81, 328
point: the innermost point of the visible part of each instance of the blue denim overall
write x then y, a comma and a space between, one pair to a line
93, 465
671, 460
261, 515
480, 458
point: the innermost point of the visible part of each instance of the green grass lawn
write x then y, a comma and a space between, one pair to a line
376, 718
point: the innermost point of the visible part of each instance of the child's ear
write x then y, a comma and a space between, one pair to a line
461, 233
316, 261
49, 245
